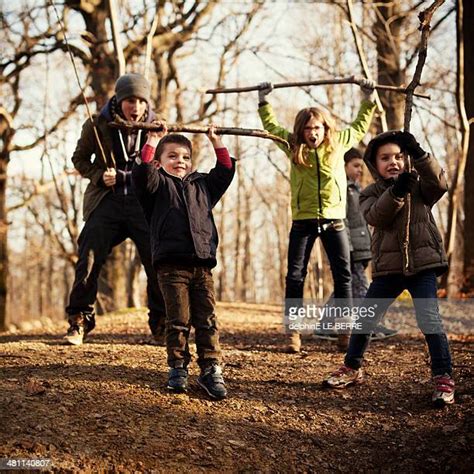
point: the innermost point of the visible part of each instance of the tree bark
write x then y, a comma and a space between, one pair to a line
387, 29
468, 21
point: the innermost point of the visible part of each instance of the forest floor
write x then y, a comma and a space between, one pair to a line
103, 406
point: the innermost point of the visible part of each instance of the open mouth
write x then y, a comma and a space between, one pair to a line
134, 117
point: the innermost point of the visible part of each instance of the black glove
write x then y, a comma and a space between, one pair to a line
411, 146
406, 183
264, 88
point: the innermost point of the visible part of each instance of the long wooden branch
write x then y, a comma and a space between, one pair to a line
363, 61
151, 127
425, 19
319, 82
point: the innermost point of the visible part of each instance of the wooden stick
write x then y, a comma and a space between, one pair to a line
425, 19
320, 82
363, 62
154, 127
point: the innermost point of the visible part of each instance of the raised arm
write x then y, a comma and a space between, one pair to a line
433, 183
220, 177
380, 211
268, 118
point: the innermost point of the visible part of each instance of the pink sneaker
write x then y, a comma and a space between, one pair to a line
343, 377
444, 390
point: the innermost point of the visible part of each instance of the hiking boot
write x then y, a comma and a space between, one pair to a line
444, 390
212, 382
343, 342
294, 343
178, 379
79, 326
381, 332
343, 377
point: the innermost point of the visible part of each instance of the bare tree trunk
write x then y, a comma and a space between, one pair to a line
238, 233
386, 29
134, 267
468, 21
248, 286
456, 188
3, 243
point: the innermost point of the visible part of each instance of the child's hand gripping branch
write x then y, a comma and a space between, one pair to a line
368, 89
264, 88
411, 146
406, 183
153, 138
109, 177
222, 155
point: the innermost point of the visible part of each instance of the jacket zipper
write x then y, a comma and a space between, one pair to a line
319, 185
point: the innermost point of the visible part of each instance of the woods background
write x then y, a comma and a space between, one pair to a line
196, 46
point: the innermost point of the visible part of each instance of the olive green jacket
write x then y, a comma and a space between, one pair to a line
319, 191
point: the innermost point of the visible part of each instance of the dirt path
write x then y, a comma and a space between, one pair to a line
103, 406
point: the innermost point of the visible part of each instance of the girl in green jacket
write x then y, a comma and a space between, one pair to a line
318, 192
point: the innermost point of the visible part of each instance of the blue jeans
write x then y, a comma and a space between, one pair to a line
333, 235
422, 288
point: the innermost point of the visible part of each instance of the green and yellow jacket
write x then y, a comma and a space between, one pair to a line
319, 191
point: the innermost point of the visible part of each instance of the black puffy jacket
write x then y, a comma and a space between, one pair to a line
359, 235
179, 212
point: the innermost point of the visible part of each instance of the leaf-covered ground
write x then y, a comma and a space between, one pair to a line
104, 405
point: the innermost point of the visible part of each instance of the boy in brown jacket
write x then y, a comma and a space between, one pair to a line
396, 268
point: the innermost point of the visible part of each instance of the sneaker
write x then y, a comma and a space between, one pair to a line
79, 326
444, 390
212, 382
178, 379
381, 332
294, 343
343, 377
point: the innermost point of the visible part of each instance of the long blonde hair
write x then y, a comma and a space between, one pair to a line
299, 149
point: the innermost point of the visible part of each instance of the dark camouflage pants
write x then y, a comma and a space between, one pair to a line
189, 300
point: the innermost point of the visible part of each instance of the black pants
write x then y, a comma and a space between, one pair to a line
333, 235
116, 218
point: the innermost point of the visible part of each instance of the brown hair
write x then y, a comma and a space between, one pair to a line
300, 150
173, 138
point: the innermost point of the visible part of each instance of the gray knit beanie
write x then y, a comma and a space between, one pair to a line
132, 85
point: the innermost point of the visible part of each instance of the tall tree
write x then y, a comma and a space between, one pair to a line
468, 20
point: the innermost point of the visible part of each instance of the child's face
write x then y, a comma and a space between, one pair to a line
390, 161
313, 133
355, 169
133, 108
176, 159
